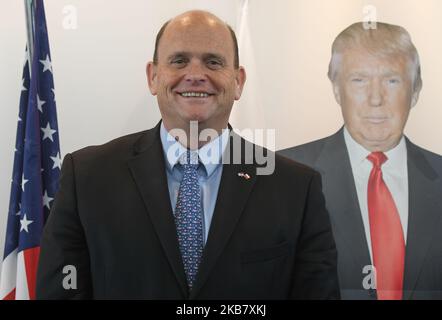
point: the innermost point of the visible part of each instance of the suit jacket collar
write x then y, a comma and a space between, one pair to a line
342, 201
148, 171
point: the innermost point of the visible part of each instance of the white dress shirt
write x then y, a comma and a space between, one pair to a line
394, 173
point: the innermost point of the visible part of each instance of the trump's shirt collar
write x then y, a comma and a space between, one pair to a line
358, 154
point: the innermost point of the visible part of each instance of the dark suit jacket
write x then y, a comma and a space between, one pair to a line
270, 236
423, 261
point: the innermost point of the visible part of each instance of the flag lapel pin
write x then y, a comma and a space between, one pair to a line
243, 175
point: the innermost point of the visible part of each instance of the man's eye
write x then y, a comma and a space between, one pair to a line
393, 81
214, 64
357, 80
178, 61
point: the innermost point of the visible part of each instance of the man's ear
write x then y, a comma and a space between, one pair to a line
240, 81
151, 72
336, 92
415, 98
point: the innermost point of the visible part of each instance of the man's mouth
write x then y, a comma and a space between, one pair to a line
193, 94
376, 120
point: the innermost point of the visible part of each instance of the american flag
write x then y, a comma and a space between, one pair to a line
37, 165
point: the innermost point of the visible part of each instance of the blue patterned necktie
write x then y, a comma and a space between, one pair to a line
188, 216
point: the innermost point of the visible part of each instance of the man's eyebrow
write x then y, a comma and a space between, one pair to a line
178, 54
358, 73
204, 56
392, 73
213, 56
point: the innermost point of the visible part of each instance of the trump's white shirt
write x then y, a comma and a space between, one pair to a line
394, 173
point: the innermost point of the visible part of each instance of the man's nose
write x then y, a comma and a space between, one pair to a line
195, 72
376, 95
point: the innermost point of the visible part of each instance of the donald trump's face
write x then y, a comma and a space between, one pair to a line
376, 95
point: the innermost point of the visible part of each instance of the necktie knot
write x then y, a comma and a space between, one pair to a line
189, 160
377, 158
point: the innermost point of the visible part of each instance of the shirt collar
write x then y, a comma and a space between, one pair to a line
358, 154
210, 154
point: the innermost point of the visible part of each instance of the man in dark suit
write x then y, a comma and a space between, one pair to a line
155, 215
383, 192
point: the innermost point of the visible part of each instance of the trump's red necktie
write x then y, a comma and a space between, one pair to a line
387, 238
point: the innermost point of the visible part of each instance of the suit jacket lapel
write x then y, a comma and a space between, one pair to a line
148, 171
424, 214
341, 196
233, 194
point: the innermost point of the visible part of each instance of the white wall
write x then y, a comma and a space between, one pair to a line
100, 80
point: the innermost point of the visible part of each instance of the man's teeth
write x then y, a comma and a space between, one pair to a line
195, 94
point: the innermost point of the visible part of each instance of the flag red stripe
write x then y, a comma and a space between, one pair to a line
10, 295
31, 262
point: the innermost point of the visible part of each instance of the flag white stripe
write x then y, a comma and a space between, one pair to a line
21, 290
9, 271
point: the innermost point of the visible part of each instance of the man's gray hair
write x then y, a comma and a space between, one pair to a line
383, 40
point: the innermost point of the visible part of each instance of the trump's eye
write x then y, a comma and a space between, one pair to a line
393, 81
357, 80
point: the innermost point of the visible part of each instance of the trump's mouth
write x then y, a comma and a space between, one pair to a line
376, 120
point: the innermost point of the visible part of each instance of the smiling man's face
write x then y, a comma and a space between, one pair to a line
195, 78
376, 95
